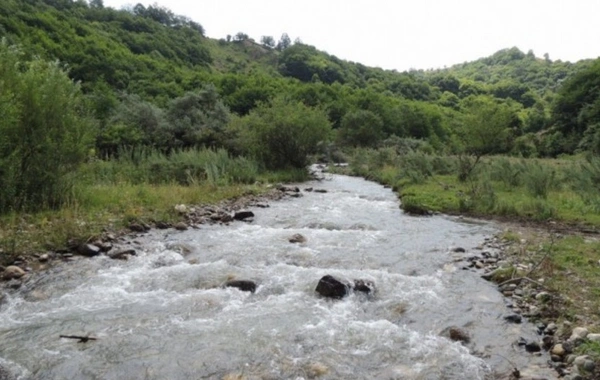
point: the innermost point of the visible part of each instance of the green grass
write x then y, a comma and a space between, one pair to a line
105, 207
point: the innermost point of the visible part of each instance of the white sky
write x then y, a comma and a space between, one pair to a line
419, 34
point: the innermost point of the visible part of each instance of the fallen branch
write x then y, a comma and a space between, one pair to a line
82, 339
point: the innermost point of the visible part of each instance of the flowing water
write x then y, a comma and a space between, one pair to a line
164, 314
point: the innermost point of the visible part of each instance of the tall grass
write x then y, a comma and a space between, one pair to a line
183, 167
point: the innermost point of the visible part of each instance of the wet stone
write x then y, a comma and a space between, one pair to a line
513, 318
364, 286
243, 285
533, 347
243, 215
331, 287
88, 250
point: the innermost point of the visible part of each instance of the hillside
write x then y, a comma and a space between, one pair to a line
155, 56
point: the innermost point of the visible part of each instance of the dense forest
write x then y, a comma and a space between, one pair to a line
145, 77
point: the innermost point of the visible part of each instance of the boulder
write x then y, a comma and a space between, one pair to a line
12, 272
297, 238
331, 287
320, 191
459, 250
88, 250
243, 215
243, 285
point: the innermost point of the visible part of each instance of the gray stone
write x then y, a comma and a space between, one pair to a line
181, 226
579, 360
588, 365
44, 257
579, 333
513, 318
88, 250
593, 337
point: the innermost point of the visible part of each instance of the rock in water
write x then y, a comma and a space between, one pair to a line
243, 215
331, 287
88, 250
243, 285
456, 334
297, 238
364, 286
12, 272
513, 318
122, 255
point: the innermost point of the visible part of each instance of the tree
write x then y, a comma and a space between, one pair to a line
282, 133
45, 133
485, 129
361, 128
198, 118
284, 42
268, 41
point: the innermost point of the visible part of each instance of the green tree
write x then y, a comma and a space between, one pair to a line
361, 128
485, 130
268, 41
44, 132
282, 133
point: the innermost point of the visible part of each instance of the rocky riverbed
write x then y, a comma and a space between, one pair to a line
504, 262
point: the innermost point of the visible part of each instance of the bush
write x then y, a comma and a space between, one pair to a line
283, 133
44, 132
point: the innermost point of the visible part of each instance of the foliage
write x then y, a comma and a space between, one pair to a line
360, 128
44, 132
282, 133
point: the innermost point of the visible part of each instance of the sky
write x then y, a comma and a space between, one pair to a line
404, 35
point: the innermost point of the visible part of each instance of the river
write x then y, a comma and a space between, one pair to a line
164, 313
